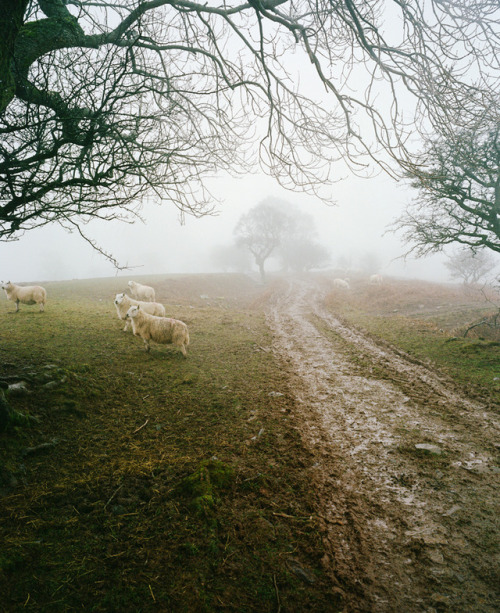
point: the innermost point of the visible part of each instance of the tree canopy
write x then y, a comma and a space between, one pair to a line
458, 183
104, 103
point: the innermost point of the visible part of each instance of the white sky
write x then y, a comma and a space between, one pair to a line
352, 228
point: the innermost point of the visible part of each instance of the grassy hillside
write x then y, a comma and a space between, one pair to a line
153, 482
429, 321
161, 483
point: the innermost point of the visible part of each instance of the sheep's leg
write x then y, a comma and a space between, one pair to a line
17, 306
146, 343
183, 349
42, 307
126, 325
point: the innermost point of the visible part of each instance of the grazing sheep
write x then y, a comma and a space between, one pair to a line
29, 294
376, 279
158, 329
341, 283
124, 302
141, 292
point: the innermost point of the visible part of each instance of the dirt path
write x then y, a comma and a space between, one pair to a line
407, 529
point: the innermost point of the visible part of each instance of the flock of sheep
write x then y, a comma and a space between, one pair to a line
146, 316
344, 283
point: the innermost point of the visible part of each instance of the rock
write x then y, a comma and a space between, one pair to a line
51, 385
299, 571
18, 388
432, 449
275, 394
436, 556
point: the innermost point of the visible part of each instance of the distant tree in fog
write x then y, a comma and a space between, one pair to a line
299, 250
302, 254
105, 103
262, 230
469, 266
458, 180
277, 228
230, 258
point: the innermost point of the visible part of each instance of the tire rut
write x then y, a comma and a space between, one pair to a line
401, 529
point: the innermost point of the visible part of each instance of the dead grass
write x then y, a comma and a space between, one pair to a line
428, 321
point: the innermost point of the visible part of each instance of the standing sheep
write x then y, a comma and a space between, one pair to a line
376, 280
158, 329
341, 283
124, 302
141, 292
29, 294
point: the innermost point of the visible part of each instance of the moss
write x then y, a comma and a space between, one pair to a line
201, 485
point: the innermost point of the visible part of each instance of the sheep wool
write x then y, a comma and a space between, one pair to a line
341, 283
124, 302
141, 292
29, 294
163, 330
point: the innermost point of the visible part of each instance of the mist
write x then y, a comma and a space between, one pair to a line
352, 228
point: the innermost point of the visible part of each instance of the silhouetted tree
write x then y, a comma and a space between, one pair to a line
104, 103
458, 181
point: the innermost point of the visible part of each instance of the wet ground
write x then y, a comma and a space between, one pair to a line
403, 465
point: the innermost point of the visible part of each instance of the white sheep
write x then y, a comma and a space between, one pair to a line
141, 292
158, 329
29, 294
341, 283
124, 302
376, 279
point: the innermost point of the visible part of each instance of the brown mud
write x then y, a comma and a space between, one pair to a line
403, 464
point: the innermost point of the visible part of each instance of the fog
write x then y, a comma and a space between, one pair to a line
352, 229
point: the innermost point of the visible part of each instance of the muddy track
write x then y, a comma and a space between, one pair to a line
406, 529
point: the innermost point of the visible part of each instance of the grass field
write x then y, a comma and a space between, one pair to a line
428, 321
153, 482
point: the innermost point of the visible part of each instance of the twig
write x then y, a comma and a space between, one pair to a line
141, 427
151, 592
277, 594
113, 495
29, 450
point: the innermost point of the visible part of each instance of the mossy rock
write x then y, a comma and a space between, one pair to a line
201, 485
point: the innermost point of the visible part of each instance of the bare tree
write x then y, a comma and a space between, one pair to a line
458, 180
104, 103
470, 266
262, 231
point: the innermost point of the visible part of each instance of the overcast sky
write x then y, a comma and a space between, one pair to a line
354, 227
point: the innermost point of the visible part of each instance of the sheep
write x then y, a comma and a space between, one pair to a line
141, 292
341, 283
29, 294
376, 279
163, 330
124, 302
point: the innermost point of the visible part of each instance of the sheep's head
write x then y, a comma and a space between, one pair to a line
131, 283
119, 298
132, 312
6, 284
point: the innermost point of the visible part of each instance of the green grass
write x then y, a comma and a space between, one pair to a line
103, 520
428, 324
